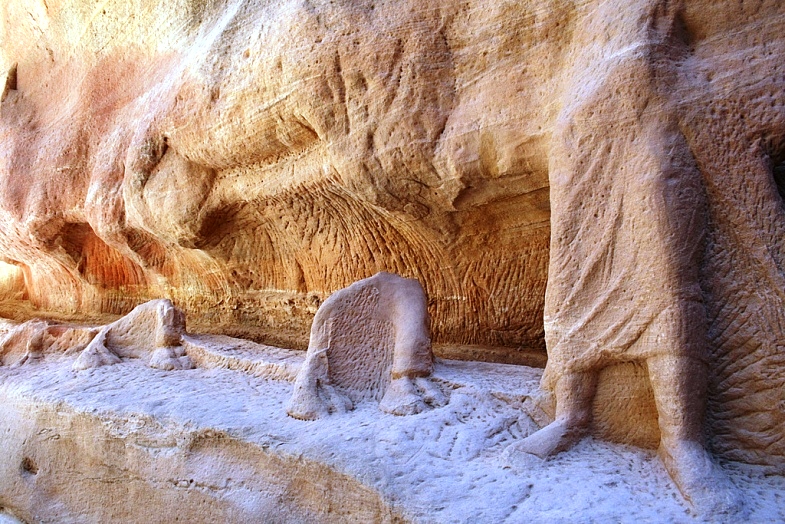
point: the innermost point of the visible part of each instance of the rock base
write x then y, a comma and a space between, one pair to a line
129, 443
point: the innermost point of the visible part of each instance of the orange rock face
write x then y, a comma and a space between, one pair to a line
246, 159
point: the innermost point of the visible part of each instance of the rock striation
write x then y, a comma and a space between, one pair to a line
246, 159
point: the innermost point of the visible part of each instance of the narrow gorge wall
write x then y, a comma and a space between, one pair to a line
247, 158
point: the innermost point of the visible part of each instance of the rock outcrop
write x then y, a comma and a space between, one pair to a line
370, 340
32, 340
248, 158
152, 332
130, 443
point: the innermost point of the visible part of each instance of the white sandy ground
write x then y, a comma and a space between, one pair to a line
443, 465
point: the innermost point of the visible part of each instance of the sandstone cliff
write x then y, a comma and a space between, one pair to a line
246, 158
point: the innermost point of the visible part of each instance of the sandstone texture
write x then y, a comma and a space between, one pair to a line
152, 331
245, 159
370, 340
33, 339
130, 443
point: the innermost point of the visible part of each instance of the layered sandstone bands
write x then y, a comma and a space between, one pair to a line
246, 159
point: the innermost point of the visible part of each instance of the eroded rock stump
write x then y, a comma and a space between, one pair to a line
151, 331
370, 340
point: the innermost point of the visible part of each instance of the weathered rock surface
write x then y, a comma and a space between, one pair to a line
129, 443
152, 331
67, 463
369, 340
247, 158
31, 340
